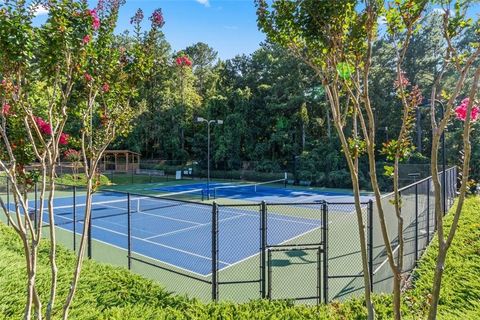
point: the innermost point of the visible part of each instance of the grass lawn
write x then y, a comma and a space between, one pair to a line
107, 292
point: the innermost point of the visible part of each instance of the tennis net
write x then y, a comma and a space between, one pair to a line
111, 208
270, 187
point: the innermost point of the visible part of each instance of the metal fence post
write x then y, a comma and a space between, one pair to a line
319, 277
74, 208
89, 236
325, 251
370, 242
269, 259
263, 247
8, 198
35, 206
428, 211
416, 223
129, 232
214, 251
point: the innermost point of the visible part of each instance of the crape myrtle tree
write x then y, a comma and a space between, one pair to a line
460, 62
66, 71
336, 39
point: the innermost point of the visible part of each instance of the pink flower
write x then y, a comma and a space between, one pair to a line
137, 18
43, 126
105, 87
157, 18
183, 61
86, 39
63, 139
6, 109
403, 81
95, 19
87, 77
72, 155
461, 111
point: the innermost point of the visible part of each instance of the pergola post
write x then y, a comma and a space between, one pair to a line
126, 161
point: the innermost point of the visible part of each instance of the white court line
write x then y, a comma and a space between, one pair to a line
136, 212
256, 254
161, 245
202, 207
193, 227
133, 251
156, 215
155, 243
385, 261
240, 213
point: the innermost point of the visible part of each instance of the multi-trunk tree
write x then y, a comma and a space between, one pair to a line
66, 73
336, 39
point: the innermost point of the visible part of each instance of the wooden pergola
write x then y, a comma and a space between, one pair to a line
120, 161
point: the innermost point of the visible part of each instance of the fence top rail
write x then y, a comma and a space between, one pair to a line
239, 204
415, 183
156, 197
294, 203
346, 203
317, 203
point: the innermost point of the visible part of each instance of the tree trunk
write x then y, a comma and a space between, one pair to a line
360, 223
53, 243
30, 279
437, 283
81, 251
397, 294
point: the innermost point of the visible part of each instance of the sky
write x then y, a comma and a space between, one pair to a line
228, 26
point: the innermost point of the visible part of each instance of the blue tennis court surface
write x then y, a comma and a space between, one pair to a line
272, 193
179, 233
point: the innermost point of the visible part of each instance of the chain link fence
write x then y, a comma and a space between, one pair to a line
306, 252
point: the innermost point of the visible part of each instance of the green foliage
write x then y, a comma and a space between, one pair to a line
460, 292
274, 107
107, 292
81, 180
394, 148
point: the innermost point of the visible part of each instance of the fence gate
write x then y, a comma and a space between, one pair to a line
295, 252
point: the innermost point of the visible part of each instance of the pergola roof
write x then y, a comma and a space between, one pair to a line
121, 151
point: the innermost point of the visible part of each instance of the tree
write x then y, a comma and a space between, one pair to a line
335, 40
65, 71
460, 59
203, 58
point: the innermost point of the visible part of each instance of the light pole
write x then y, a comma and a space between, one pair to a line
200, 119
444, 160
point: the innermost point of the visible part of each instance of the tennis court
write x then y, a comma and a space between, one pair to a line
262, 240
177, 233
271, 191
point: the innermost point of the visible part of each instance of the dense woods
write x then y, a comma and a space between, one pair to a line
274, 111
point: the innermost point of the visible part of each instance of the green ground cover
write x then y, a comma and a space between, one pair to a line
108, 292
